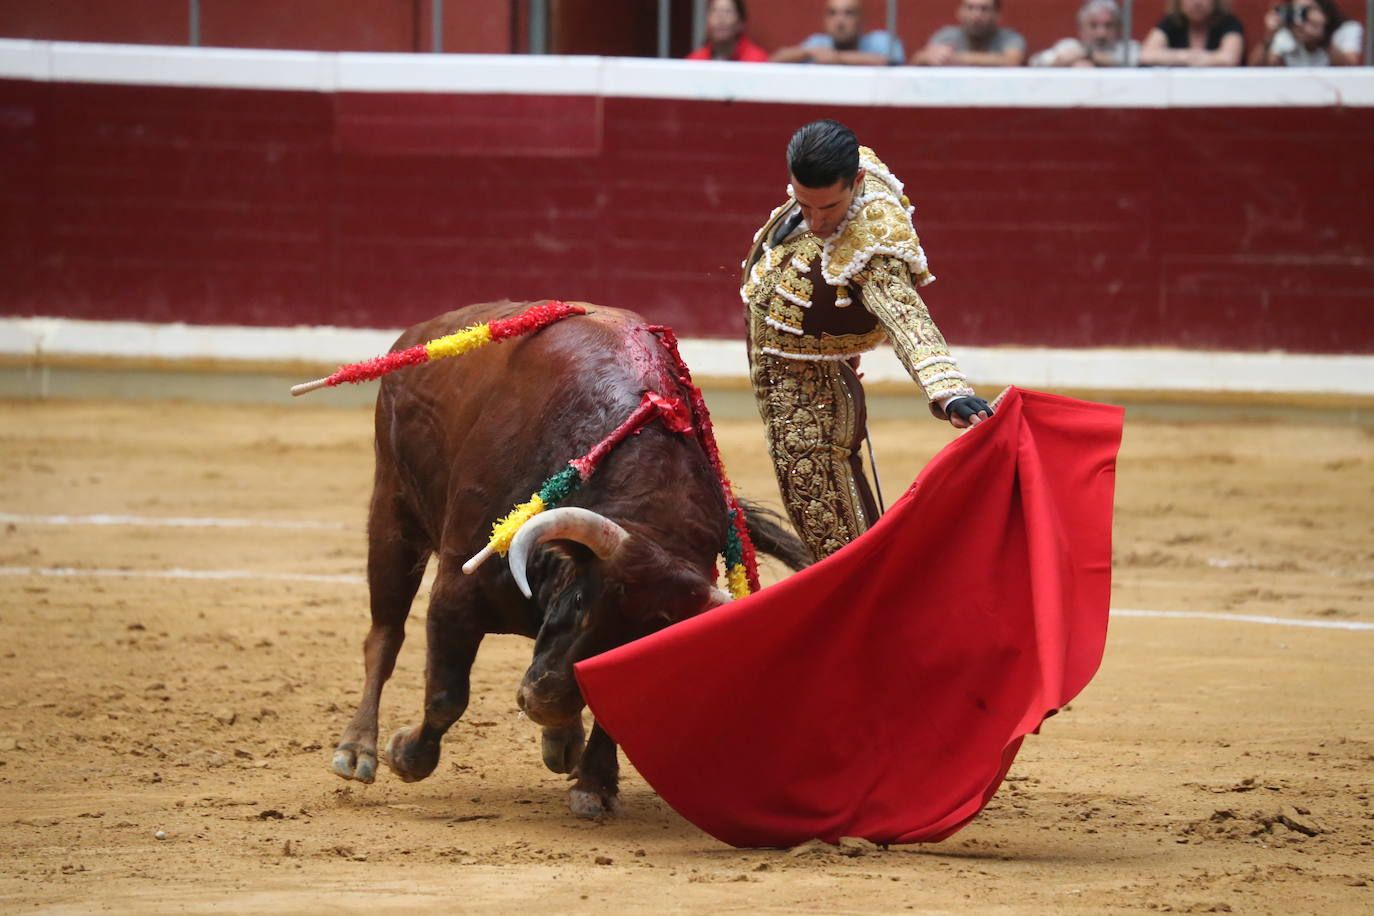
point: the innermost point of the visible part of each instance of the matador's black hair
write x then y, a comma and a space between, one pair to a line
821, 153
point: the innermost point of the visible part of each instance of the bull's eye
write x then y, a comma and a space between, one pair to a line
584, 619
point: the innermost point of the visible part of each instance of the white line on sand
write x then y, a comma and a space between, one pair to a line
1250, 618
221, 574
153, 521
179, 574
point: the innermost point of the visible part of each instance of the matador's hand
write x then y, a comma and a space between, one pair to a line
967, 411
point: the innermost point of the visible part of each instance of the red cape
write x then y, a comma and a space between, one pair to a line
884, 692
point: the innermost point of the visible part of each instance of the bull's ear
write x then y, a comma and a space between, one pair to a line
680, 593
558, 561
700, 597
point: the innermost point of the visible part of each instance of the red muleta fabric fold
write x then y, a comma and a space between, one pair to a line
884, 692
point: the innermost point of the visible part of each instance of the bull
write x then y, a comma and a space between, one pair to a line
460, 441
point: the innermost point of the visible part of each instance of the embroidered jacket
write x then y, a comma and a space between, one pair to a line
801, 292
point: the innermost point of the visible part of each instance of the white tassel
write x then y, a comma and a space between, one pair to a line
943, 377
778, 325
791, 296
813, 357
932, 360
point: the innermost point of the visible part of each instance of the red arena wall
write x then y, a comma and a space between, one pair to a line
1236, 227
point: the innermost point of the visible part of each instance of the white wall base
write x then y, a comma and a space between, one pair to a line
34, 340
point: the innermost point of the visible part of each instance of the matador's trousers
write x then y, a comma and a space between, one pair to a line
814, 417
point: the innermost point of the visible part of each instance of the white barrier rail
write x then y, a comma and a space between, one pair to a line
911, 87
36, 340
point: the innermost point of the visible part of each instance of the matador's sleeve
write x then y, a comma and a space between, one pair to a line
888, 293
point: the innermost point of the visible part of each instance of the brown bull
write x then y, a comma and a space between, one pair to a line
461, 441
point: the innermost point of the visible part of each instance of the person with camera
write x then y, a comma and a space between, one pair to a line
1195, 33
1309, 33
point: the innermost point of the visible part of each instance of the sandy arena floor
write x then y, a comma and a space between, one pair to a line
165, 738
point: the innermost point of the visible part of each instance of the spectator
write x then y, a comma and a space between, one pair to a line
725, 38
843, 41
977, 41
1309, 33
1195, 33
1098, 43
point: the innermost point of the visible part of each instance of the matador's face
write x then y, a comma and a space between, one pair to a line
825, 208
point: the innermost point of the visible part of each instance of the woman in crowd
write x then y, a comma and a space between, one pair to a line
725, 38
1195, 33
1309, 33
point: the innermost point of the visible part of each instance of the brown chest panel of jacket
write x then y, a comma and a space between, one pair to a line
826, 318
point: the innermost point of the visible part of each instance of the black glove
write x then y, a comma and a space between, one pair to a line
966, 408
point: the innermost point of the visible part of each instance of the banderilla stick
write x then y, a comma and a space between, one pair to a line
470, 338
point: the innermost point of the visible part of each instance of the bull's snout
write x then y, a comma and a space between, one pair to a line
548, 701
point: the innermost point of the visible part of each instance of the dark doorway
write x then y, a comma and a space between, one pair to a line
617, 28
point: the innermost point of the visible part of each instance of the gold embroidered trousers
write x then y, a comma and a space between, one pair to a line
814, 420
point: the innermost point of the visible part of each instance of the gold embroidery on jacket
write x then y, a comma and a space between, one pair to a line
878, 223
920, 346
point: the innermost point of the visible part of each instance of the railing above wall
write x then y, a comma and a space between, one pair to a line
907, 87
436, 20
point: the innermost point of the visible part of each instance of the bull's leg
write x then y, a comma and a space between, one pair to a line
561, 746
453, 638
394, 570
597, 790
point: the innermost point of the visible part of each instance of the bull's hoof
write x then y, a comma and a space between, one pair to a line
354, 762
592, 805
410, 759
562, 748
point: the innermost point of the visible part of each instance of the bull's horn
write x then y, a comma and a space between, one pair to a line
597, 533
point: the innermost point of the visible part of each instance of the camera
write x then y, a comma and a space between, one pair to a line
1291, 14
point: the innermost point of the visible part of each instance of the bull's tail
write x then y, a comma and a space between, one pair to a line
772, 534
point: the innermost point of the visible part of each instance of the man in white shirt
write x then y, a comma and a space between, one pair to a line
1098, 43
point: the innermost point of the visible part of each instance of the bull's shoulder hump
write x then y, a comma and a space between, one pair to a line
460, 318
612, 317
605, 322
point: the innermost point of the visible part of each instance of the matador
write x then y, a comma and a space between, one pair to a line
831, 274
